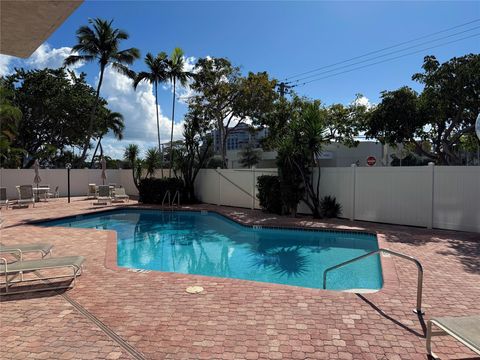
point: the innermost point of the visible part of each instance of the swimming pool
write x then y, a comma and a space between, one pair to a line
213, 245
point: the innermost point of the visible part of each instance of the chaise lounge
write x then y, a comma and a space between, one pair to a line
465, 329
25, 195
120, 194
43, 249
3, 197
12, 270
104, 196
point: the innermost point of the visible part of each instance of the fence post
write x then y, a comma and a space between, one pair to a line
219, 187
354, 167
253, 187
431, 198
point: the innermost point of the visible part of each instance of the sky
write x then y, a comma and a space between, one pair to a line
280, 37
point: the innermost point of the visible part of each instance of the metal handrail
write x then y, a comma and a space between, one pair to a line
176, 197
165, 197
418, 310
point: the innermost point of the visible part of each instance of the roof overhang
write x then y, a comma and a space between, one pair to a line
26, 24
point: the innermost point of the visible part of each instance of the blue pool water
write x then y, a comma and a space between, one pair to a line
210, 244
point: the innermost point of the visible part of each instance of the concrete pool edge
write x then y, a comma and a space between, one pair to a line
190, 209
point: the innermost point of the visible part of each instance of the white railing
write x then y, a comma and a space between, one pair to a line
419, 266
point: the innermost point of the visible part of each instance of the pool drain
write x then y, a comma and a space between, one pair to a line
194, 289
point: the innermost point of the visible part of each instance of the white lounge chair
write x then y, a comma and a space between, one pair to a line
104, 196
120, 194
92, 191
11, 271
3, 198
55, 194
465, 329
25, 195
20, 249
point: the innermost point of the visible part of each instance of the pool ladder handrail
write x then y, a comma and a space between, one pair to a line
167, 194
171, 202
418, 310
176, 196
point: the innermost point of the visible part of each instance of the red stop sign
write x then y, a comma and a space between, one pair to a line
371, 161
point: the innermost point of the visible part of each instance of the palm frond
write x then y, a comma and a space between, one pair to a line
122, 69
127, 56
142, 76
75, 59
122, 35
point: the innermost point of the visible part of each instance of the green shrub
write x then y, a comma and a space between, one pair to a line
329, 207
292, 188
269, 193
152, 191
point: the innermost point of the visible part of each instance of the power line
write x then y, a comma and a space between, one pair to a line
386, 60
383, 49
383, 55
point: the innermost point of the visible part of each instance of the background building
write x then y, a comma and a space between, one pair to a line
239, 137
334, 155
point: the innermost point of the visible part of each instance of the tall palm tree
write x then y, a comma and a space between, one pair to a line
156, 74
100, 42
176, 72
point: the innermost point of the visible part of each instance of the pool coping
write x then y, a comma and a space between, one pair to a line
390, 278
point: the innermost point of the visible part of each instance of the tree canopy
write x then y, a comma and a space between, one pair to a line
443, 114
53, 104
225, 98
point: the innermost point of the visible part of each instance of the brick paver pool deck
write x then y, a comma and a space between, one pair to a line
115, 313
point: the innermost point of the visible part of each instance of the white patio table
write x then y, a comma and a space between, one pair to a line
40, 190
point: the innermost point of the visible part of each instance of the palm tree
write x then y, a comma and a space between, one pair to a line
100, 42
156, 74
111, 121
131, 154
152, 161
176, 72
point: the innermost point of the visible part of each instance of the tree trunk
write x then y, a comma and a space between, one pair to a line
224, 135
95, 152
190, 193
99, 144
158, 127
92, 115
171, 133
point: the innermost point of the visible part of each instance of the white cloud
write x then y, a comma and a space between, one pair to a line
44, 57
47, 57
138, 109
5, 62
362, 101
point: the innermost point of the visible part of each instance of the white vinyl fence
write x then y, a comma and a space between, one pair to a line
79, 180
230, 187
445, 197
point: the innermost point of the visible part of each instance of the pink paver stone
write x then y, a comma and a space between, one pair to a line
235, 319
